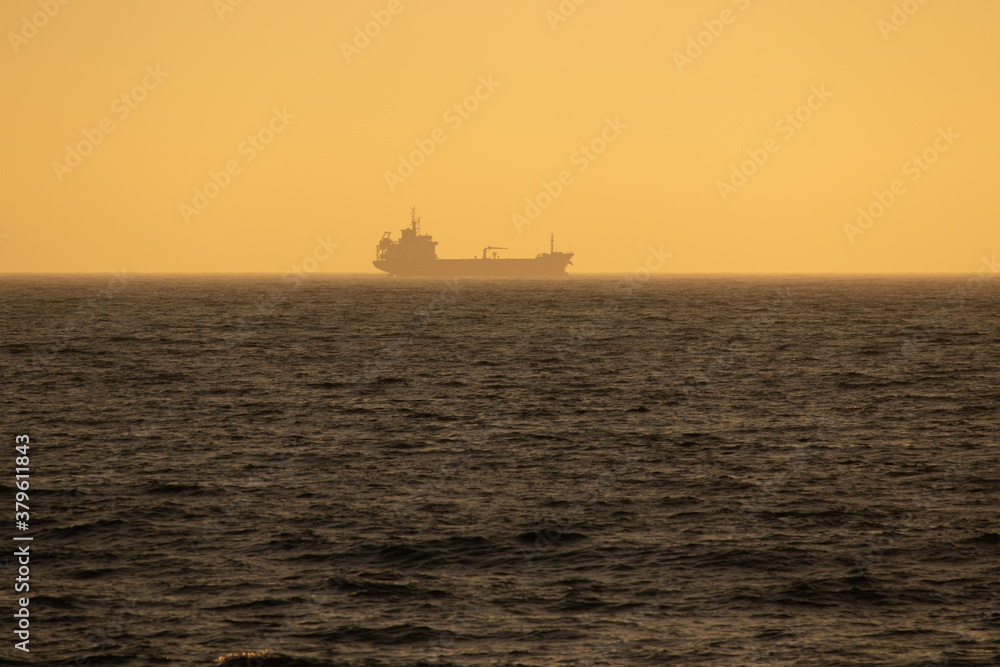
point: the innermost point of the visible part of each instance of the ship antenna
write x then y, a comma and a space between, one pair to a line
414, 220
552, 244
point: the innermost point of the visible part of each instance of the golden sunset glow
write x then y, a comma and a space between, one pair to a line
738, 135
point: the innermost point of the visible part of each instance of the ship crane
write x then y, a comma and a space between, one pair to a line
491, 247
383, 246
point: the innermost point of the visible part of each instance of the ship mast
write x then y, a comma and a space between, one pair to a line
414, 220
552, 244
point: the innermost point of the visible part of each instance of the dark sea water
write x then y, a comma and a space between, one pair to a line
365, 471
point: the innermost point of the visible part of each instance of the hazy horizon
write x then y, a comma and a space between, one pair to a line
568, 275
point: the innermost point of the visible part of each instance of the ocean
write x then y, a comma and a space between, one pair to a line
357, 470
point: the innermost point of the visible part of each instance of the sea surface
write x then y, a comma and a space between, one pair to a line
356, 470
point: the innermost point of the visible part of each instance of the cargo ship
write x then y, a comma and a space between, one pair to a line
415, 254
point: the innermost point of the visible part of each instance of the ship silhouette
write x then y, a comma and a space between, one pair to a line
415, 254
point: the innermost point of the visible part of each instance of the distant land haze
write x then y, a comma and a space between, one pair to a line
740, 136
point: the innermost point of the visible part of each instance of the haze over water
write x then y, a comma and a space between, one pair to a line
717, 471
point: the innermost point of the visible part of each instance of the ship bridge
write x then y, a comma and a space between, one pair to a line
412, 245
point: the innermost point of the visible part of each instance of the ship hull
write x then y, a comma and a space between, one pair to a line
547, 265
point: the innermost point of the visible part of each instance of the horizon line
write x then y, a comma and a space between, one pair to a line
568, 275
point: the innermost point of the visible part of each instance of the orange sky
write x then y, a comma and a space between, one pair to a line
823, 107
